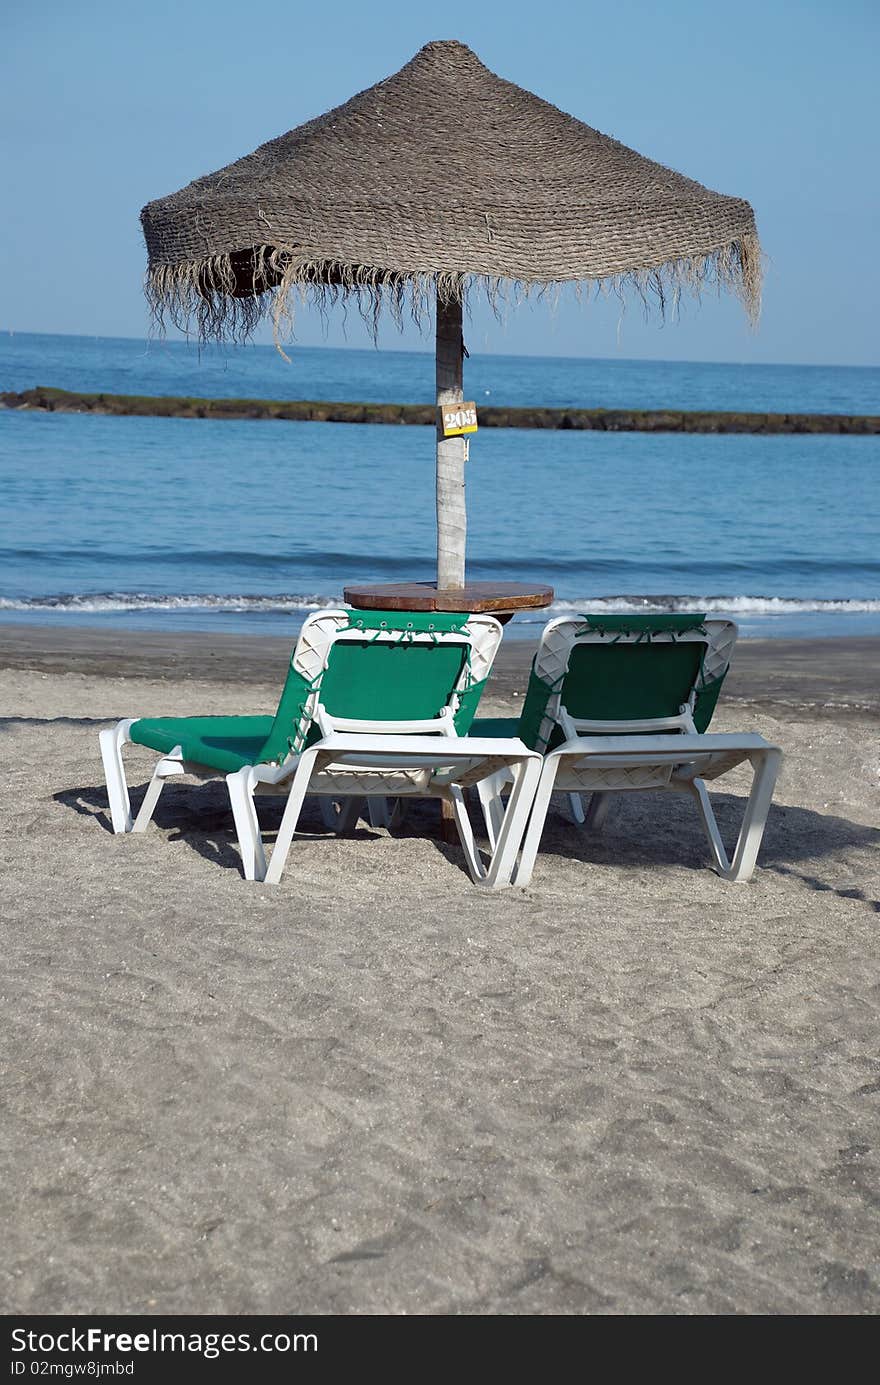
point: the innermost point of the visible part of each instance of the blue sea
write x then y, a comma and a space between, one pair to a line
181, 524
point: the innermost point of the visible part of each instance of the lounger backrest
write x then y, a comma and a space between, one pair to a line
382, 666
624, 668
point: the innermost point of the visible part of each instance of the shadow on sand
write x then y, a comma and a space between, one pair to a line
657, 829
203, 820
642, 830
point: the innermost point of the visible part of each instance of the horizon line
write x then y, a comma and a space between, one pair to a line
148, 340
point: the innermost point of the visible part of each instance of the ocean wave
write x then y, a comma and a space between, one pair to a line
719, 605
330, 564
106, 602
100, 602
227, 558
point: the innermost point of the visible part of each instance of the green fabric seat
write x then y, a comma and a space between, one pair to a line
617, 680
368, 681
365, 679
620, 704
499, 727
224, 743
374, 696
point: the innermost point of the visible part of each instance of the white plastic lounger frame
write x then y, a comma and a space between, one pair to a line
357, 759
404, 759
602, 757
679, 763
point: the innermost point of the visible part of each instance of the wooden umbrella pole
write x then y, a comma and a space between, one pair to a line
451, 514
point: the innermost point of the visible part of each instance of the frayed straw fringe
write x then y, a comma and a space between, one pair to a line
202, 297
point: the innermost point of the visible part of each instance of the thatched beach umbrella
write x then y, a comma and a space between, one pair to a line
441, 179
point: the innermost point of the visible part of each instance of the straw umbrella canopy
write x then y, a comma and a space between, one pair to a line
442, 179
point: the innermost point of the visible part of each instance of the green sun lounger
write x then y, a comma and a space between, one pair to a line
622, 703
375, 704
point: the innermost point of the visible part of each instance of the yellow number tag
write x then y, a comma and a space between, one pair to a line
458, 419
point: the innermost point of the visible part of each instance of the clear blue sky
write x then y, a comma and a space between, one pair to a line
106, 104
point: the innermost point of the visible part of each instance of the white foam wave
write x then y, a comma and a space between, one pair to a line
717, 605
107, 602
99, 602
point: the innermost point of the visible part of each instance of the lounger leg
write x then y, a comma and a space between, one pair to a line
766, 767
549, 770
398, 813
700, 793
341, 819
344, 818
292, 810
378, 811
527, 776
466, 834
576, 803
241, 798
163, 771
597, 811
111, 741
489, 794
487, 805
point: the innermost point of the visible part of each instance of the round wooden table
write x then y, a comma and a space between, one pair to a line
500, 599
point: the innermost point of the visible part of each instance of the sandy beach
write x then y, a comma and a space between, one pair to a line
629, 1089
